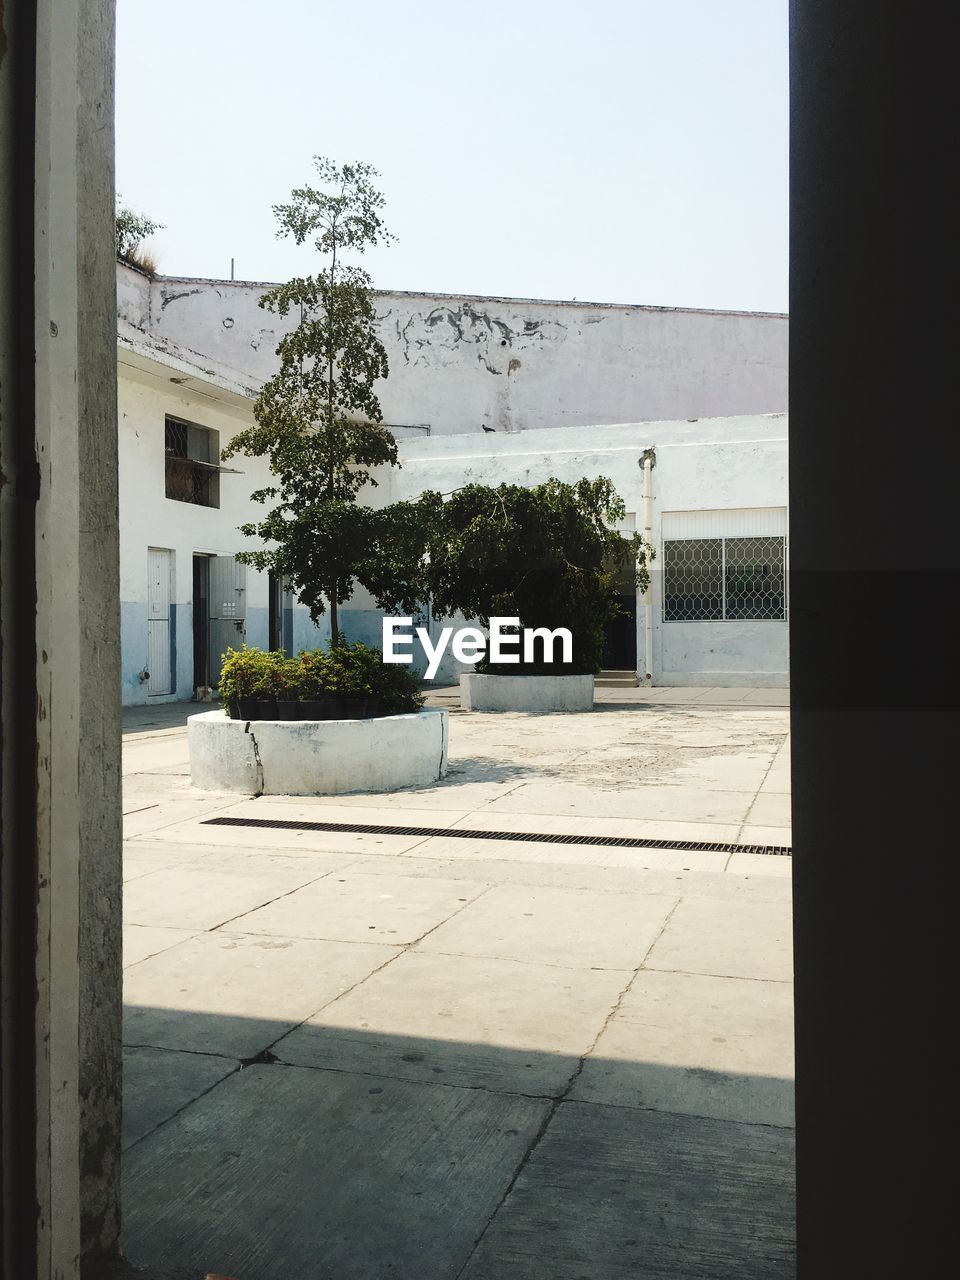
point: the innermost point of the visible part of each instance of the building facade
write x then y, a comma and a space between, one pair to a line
483, 390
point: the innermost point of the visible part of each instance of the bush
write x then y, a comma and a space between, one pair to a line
251, 673
345, 670
549, 555
358, 671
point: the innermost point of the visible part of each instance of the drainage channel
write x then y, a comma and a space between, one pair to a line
539, 837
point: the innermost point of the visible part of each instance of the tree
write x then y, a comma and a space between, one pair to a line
132, 229
546, 554
318, 419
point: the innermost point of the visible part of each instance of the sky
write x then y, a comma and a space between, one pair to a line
629, 151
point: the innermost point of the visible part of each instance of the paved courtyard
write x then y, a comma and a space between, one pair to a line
359, 1056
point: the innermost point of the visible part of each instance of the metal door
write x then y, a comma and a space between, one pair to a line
228, 607
159, 621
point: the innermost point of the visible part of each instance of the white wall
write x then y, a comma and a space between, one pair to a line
572, 389
457, 364
149, 519
725, 464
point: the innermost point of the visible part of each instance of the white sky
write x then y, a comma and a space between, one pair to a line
611, 150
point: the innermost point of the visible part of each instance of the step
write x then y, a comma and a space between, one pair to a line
617, 680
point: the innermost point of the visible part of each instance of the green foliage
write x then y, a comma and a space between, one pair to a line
546, 554
132, 229
358, 671
251, 673
318, 419
346, 670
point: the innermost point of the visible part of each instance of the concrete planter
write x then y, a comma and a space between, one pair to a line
317, 757
536, 694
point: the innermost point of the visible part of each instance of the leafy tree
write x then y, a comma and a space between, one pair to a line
546, 554
318, 419
132, 229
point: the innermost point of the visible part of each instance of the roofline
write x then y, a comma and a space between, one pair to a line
169, 358
481, 297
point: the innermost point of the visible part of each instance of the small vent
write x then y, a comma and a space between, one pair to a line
540, 837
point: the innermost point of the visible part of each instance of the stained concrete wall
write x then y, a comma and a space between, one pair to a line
60, 819
458, 364
566, 390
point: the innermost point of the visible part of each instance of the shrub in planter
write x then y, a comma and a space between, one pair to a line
317, 701
350, 681
290, 686
250, 681
366, 685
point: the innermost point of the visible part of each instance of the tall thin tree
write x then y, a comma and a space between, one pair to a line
318, 419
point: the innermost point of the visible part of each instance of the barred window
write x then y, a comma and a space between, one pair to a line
723, 579
693, 580
191, 463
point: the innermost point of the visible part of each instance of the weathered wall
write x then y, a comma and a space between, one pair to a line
554, 383
60, 816
458, 364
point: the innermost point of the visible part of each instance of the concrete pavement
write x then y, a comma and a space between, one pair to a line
370, 1055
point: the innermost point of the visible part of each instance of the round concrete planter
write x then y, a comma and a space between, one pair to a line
536, 694
317, 757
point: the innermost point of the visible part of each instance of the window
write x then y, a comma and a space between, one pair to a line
723, 579
191, 467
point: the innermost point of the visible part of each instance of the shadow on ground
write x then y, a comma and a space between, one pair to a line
333, 1154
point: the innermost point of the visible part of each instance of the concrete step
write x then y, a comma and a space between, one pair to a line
617, 680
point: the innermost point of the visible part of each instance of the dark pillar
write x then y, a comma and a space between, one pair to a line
874, 654
60, 826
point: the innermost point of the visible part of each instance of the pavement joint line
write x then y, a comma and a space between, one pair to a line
690, 1115
163, 950
700, 973
559, 1100
541, 964
190, 1102
279, 898
425, 1084
227, 804
399, 949
753, 803
342, 1071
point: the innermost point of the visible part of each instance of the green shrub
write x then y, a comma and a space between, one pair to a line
345, 671
314, 674
291, 681
251, 673
358, 671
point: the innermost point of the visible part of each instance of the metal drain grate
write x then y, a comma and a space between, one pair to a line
551, 837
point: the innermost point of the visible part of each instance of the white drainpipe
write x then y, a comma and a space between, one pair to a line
648, 460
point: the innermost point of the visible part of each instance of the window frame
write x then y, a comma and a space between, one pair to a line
211, 470
723, 539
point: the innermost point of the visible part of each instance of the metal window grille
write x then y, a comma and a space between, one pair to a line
693, 580
723, 579
753, 578
191, 471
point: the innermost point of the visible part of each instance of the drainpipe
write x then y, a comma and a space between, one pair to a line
648, 460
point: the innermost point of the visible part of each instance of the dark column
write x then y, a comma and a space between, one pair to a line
60, 832
874, 654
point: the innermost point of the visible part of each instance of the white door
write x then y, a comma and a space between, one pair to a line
159, 621
228, 609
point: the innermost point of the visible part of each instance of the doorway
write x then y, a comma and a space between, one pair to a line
201, 621
620, 640
226, 610
160, 635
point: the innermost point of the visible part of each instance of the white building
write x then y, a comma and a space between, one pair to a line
480, 389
